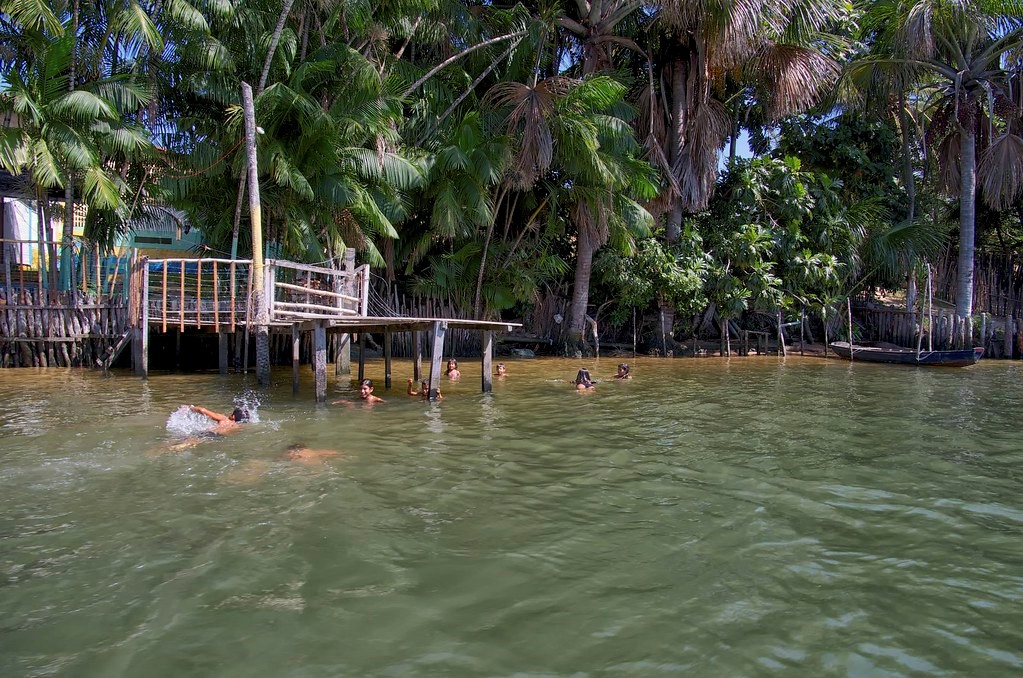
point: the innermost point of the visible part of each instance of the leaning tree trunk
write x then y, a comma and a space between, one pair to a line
585, 249
967, 222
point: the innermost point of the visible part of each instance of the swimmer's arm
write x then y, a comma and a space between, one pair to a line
412, 390
215, 416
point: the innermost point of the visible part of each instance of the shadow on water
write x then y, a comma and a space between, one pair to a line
708, 517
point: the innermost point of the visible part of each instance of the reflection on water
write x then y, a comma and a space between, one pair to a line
709, 517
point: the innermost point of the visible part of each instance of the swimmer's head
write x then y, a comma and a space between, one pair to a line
239, 415
366, 388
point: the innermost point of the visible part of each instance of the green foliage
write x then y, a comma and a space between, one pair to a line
776, 236
672, 274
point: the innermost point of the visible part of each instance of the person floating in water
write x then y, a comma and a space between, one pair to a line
365, 394
452, 371
303, 454
583, 381
623, 371
502, 371
423, 391
223, 423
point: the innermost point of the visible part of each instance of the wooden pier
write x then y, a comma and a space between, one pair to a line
216, 295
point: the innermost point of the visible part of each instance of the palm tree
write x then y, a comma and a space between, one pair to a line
67, 132
570, 132
956, 54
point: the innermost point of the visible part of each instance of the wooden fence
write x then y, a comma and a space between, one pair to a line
1001, 337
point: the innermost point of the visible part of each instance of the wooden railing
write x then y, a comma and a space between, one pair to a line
181, 293
96, 271
197, 292
304, 292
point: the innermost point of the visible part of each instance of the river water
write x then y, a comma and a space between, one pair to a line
749, 517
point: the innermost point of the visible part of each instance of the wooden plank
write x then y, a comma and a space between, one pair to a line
285, 313
439, 329
330, 311
487, 350
314, 292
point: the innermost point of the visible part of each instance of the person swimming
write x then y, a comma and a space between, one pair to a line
306, 455
423, 391
223, 423
623, 371
365, 394
501, 370
452, 371
582, 380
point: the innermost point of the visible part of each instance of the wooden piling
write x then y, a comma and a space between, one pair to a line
439, 328
487, 345
417, 352
344, 356
320, 359
222, 352
387, 359
362, 356
296, 340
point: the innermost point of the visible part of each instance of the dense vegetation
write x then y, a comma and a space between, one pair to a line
503, 154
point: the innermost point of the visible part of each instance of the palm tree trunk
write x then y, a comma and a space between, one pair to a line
69, 191
581, 290
967, 223
676, 140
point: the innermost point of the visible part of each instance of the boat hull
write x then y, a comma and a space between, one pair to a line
908, 356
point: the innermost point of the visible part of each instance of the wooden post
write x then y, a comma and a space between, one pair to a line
930, 311
487, 346
222, 346
320, 359
344, 355
163, 309
240, 339
387, 358
198, 292
181, 299
142, 355
216, 298
255, 218
232, 291
362, 356
439, 328
983, 330
8, 250
781, 337
417, 352
848, 308
802, 328
296, 337
1008, 337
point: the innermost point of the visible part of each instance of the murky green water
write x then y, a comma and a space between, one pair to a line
709, 518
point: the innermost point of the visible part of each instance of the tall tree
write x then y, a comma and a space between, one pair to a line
957, 52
